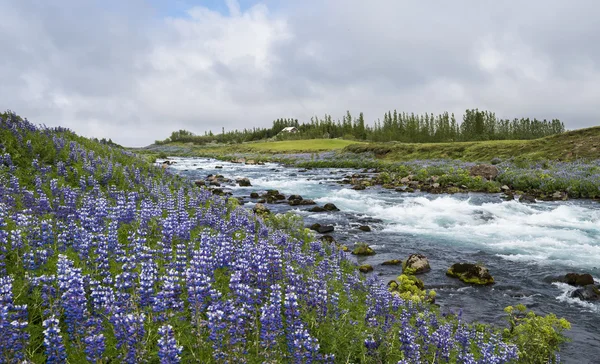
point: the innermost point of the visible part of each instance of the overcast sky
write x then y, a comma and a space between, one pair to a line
136, 72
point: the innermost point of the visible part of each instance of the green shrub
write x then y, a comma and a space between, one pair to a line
537, 337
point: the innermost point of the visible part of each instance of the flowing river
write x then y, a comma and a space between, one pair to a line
521, 244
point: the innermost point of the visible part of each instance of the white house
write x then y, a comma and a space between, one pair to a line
289, 129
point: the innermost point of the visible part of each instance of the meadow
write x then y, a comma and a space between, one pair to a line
106, 258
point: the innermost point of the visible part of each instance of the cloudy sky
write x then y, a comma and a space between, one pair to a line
138, 71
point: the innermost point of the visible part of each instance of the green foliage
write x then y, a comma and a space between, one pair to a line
411, 288
404, 127
537, 337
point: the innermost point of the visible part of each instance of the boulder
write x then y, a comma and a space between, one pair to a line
250, 162
486, 171
321, 229
363, 249
576, 279
364, 228
219, 167
200, 183
590, 292
244, 182
365, 268
261, 209
418, 263
527, 199
404, 180
279, 196
392, 262
358, 187
471, 273
295, 198
330, 207
253, 195
505, 188
317, 209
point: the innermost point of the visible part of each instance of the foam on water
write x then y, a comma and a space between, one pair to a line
544, 233
565, 296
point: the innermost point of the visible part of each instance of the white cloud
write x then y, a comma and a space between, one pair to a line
119, 71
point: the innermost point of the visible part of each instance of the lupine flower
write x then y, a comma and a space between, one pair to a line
168, 350
55, 349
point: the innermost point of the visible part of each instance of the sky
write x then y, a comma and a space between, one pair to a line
136, 70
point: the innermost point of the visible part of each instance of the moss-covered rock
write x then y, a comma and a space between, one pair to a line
416, 264
261, 209
471, 273
392, 262
365, 268
363, 249
409, 287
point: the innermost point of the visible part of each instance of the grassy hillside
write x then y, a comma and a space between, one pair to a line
577, 144
582, 143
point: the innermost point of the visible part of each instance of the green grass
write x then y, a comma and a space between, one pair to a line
582, 143
298, 146
257, 148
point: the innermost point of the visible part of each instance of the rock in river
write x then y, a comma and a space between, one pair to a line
363, 249
322, 229
244, 182
587, 293
365, 268
471, 273
418, 263
330, 207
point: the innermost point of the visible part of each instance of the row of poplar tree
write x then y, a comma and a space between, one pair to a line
410, 128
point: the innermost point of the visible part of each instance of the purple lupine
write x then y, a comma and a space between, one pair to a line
168, 298
53, 341
271, 325
73, 297
148, 278
13, 324
94, 341
168, 350
129, 332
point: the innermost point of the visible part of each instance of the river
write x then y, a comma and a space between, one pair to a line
521, 244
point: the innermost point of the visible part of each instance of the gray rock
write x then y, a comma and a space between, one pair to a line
587, 293
418, 262
486, 171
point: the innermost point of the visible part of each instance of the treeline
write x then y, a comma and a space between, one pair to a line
409, 128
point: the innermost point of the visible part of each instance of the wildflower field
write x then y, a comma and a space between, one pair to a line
106, 258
